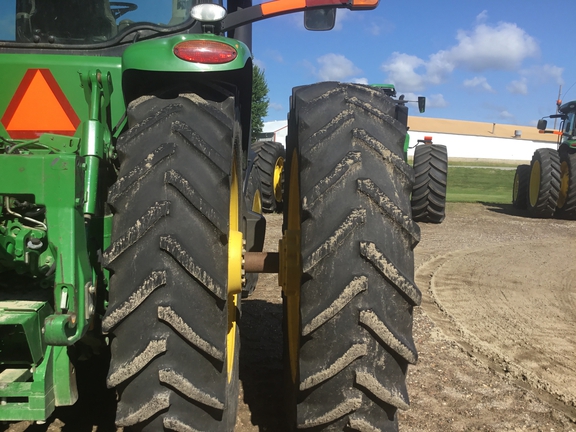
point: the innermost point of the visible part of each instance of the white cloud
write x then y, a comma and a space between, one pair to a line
479, 82
374, 29
482, 16
259, 63
342, 15
359, 80
275, 106
505, 115
545, 73
501, 47
275, 55
436, 101
518, 86
377, 25
401, 69
336, 67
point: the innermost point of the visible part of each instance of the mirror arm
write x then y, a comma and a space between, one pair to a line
274, 8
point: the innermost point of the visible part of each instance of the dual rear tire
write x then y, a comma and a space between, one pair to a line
347, 263
547, 187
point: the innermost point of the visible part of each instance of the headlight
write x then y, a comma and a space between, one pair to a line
208, 12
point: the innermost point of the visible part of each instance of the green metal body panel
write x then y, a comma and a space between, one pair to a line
66, 176
63, 174
158, 55
56, 181
31, 368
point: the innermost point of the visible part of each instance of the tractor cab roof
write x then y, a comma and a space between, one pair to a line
388, 89
568, 107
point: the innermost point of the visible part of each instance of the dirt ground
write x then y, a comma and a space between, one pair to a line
495, 333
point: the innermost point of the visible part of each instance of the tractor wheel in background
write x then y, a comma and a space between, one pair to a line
253, 201
566, 206
347, 263
429, 193
176, 265
270, 164
544, 186
520, 187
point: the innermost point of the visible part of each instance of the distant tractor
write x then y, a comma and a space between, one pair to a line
431, 174
547, 187
430, 166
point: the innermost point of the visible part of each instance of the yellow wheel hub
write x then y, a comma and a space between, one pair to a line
535, 174
235, 274
278, 171
291, 267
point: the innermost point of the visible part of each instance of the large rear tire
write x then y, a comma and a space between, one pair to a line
431, 174
270, 164
520, 187
566, 208
544, 187
174, 288
348, 302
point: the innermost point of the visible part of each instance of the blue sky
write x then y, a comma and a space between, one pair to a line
490, 61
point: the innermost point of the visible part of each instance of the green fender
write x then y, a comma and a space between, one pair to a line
158, 55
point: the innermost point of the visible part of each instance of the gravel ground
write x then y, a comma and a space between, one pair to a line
494, 333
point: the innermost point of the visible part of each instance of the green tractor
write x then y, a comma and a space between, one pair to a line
130, 222
547, 187
430, 164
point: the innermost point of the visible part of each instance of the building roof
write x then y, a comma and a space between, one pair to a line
460, 127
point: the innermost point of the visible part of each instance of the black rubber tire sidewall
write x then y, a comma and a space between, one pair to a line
337, 131
548, 186
520, 187
431, 175
183, 315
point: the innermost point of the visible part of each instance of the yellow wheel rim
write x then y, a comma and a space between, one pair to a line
515, 187
278, 172
534, 183
291, 268
257, 203
235, 251
564, 184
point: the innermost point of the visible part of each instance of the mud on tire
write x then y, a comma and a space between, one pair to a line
169, 311
357, 238
429, 193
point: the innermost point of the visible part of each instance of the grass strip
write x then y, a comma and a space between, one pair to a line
479, 185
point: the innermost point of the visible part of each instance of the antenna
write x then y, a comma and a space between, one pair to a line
558, 103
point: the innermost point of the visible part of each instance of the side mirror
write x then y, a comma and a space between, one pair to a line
542, 124
320, 19
421, 103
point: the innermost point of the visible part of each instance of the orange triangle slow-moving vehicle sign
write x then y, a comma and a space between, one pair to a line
39, 106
